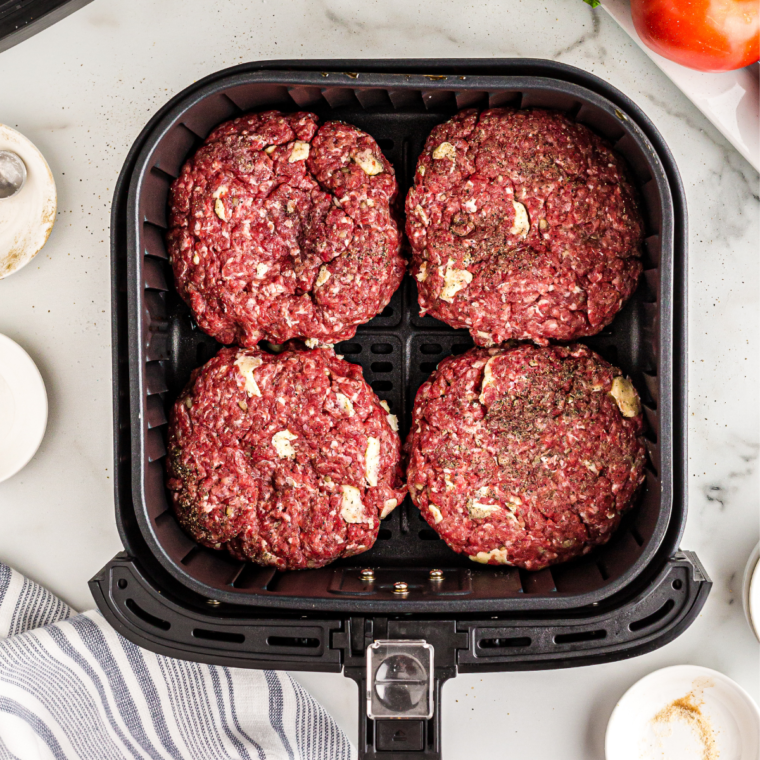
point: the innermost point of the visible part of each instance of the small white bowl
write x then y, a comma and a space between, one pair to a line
23, 408
27, 218
751, 591
684, 712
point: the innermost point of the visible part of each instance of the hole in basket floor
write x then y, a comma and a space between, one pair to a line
348, 348
382, 348
650, 435
192, 554
204, 352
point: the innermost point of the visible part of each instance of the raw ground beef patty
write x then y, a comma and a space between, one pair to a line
523, 225
280, 229
286, 459
525, 456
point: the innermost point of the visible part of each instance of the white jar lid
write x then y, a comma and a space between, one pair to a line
27, 217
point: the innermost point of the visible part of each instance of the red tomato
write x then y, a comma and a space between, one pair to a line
709, 35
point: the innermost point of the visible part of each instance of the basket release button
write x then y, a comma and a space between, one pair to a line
400, 679
399, 735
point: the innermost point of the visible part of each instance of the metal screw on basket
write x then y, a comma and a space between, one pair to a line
436, 575
213, 602
12, 174
401, 588
368, 575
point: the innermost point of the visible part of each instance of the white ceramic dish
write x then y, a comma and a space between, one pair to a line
23, 408
27, 218
684, 712
751, 591
730, 99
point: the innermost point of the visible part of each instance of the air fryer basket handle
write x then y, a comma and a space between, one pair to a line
400, 739
415, 738
167, 619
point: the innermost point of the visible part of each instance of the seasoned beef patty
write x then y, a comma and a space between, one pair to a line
280, 229
288, 460
523, 225
523, 455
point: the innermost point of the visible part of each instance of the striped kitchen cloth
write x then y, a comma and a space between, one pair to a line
71, 687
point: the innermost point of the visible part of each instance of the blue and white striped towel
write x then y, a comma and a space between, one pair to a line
71, 687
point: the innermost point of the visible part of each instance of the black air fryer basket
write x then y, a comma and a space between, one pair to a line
170, 595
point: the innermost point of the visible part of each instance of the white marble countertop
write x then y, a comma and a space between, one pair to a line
83, 89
